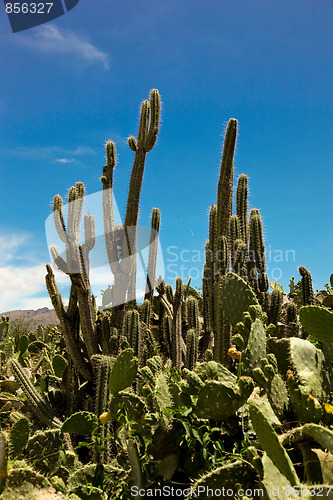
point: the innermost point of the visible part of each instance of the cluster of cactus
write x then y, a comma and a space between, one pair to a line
164, 392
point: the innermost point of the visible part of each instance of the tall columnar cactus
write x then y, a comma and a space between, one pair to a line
235, 243
152, 257
177, 325
191, 349
122, 259
76, 264
81, 315
306, 284
241, 201
102, 398
68, 322
193, 313
257, 249
224, 190
276, 305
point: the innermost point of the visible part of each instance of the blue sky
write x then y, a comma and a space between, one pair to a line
69, 85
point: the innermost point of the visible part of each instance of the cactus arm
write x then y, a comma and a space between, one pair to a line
59, 219
66, 322
59, 261
37, 403
149, 125
108, 214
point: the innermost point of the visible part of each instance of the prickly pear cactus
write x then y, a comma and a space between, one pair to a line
19, 435
231, 477
256, 347
220, 400
236, 296
318, 322
271, 445
124, 371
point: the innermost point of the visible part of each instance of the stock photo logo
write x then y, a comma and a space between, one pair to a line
28, 14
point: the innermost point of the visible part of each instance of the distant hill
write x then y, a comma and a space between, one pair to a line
43, 316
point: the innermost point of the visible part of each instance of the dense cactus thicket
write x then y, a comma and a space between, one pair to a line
229, 388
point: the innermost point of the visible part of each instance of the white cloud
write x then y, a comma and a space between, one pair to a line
50, 39
21, 275
19, 284
64, 160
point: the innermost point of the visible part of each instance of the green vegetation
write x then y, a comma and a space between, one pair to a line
228, 389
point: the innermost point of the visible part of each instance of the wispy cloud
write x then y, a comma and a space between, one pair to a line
60, 154
11, 247
51, 39
64, 160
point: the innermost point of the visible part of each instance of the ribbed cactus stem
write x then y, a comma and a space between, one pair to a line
291, 313
193, 314
238, 256
102, 388
58, 218
234, 229
206, 296
89, 232
108, 211
211, 244
257, 240
133, 322
222, 329
167, 335
102, 396
224, 190
152, 257
75, 206
241, 206
66, 323
307, 289
191, 349
177, 325
276, 305
148, 130
40, 407
221, 256
146, 312
169, 293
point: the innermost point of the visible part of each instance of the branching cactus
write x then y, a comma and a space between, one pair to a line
121, 241
81, 319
